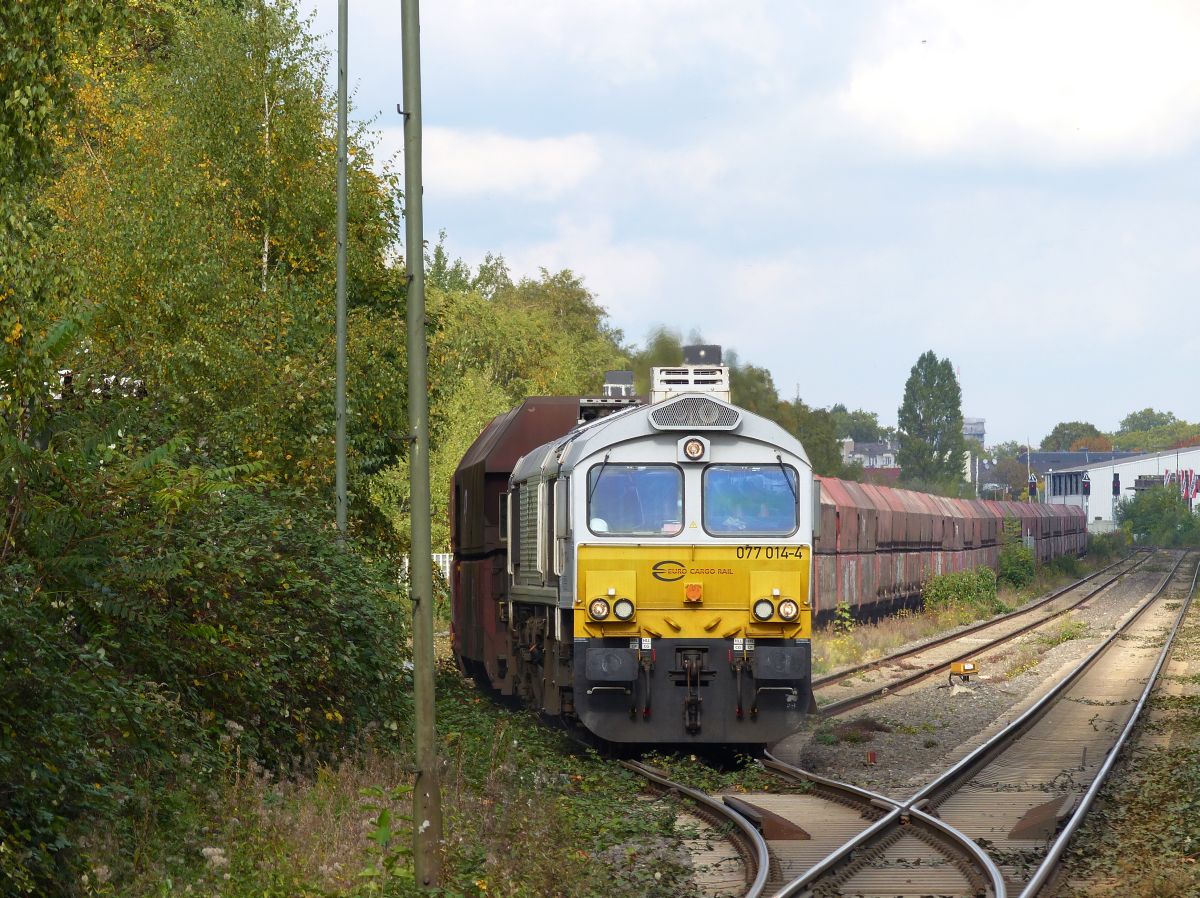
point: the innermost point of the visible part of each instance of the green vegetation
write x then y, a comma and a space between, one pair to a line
969, 592
1064, 631
1159, 516
753, 388
1103, 547
1147, 430
930, 425
528, 814
1067, 434
1017, 566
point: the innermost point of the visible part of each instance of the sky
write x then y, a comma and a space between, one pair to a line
833, 188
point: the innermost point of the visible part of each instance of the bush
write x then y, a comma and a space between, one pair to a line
146, 620
1159, 516
1017, 565
1104, 546
973, 591
1067, 565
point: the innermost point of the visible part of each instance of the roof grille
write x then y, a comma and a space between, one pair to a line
694, 413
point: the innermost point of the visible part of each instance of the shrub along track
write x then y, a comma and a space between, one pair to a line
934, 657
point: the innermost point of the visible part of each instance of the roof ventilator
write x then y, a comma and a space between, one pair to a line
694, 413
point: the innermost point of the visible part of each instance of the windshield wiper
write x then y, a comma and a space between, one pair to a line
596, 482
786, 478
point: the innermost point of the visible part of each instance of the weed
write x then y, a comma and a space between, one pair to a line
1026, 658
843, 619
1067, 629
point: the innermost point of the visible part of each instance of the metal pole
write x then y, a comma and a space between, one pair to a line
427, 799
340, 394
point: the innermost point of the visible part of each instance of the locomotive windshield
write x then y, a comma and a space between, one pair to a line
635, 499
750, 499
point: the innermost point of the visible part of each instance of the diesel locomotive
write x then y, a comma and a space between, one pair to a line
642, 569
652, 571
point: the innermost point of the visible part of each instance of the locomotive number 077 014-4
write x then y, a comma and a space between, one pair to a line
769, 552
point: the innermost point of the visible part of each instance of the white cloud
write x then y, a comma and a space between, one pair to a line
461, 162
1068, 80
618, 42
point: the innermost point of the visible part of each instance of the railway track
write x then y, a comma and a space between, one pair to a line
729, 853
997, 821
933, 658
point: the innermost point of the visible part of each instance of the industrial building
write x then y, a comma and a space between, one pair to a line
1096, 487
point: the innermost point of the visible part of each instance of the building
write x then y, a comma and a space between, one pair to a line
871, 455
1041, 462
1118, 478
974, 429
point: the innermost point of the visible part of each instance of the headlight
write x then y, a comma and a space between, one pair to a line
598, 609
788, 609
694, 449
623, 609
763, 609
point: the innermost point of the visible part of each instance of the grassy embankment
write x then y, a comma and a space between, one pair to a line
845, 642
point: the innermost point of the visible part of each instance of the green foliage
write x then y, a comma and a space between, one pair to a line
754, 389
1159, 516
1146, 419
1017, 565
1067, 629
1067, 433
843, 619
1010, 474
1103, 546
149, 609
860, 425
931, 440
816, 428
1160, 438
973, 591
1067, 566
207, 170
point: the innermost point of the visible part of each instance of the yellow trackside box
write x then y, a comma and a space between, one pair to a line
693, 592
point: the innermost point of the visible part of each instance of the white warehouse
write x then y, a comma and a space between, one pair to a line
1120, 479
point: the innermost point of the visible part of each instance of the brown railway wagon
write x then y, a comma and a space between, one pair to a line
910, 536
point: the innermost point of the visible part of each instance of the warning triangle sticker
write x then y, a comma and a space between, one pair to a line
692, 526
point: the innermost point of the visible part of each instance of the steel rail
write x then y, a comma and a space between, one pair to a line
752, 835
980, 756
834, 708
1054, 854
981, 625
994, 746
898, 812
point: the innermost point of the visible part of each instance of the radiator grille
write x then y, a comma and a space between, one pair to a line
693, 413
529, 532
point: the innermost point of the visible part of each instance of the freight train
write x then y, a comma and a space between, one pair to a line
876, 545
652, 571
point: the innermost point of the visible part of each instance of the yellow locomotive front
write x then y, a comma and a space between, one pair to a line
669, 550
691, 610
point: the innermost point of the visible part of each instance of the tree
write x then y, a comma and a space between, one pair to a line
1157, 439
860, 425
1159, 516
1007, 449
1010, 474
1101, 443
815, 428
1146, 419
931, 438
1066, 433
